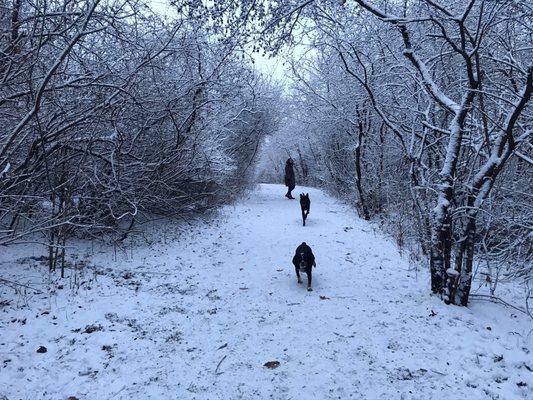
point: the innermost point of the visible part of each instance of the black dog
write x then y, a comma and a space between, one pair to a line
304, 261
305, 205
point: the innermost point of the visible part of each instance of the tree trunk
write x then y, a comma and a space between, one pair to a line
363, 209
442, 275
303, 166
464, 283
480, 188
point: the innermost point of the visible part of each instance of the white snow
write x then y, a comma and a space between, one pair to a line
5, 170
196, 315
451, 271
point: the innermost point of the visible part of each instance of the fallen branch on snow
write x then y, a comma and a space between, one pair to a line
495, 299
218, 366
7, 282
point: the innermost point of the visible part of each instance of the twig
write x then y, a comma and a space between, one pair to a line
20, 284
218, 366
152, 272
437, 372
123, 387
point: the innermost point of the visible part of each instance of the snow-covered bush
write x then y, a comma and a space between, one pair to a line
111, 112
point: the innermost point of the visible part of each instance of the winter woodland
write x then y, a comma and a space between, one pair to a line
134, 135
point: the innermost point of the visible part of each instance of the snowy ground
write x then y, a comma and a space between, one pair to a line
196, 317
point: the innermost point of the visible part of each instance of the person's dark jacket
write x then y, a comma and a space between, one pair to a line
290, 180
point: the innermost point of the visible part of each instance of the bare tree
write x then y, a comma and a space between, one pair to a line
112, 113
451, 84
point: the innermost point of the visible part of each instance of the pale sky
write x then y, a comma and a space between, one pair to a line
269, 67
273, 67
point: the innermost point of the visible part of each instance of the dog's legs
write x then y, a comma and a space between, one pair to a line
303, 216
298, 274
309, 279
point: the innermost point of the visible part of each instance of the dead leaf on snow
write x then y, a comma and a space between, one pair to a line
271, 364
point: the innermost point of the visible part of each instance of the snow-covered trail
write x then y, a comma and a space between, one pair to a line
196, 318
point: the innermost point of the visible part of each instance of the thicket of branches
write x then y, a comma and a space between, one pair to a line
108, 112
417, 110
420, 113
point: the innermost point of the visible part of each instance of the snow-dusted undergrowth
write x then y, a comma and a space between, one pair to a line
197, 317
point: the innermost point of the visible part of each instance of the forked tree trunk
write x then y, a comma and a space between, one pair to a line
442, 275
481, 187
